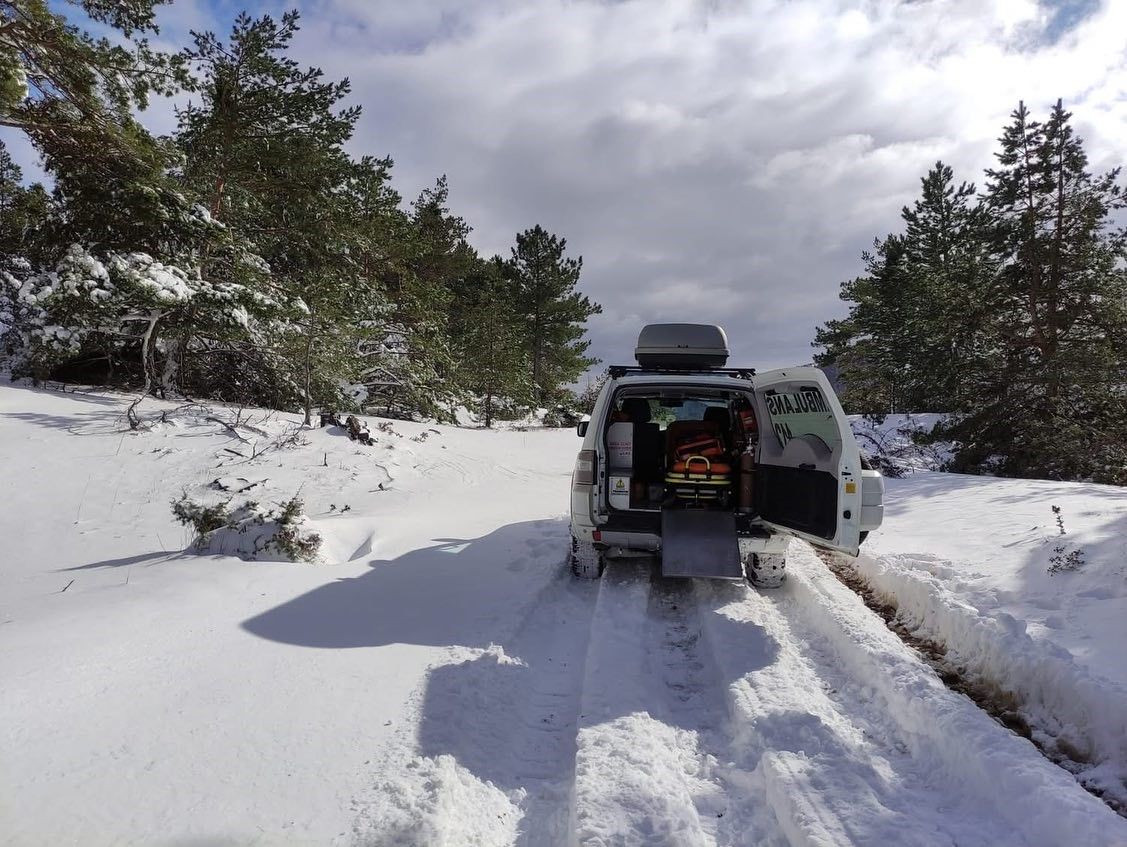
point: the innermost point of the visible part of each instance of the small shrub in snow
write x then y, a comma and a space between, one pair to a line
248, 532
1062, 560
561, 417
290, 539
1060, 519
203, 519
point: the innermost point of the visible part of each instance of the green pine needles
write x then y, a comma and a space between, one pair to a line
251, 257
1006, 308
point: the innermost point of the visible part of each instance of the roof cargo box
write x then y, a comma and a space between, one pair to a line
682, 346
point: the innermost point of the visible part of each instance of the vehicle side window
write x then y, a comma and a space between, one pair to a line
801, 412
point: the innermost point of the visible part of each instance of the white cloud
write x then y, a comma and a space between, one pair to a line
725, 160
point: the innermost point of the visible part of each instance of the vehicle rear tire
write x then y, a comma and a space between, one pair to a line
587, 561
767, 570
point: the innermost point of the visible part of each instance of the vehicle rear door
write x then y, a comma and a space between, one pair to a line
808, 469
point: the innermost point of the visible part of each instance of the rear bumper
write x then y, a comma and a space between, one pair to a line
871, 517
626, 532
872, 499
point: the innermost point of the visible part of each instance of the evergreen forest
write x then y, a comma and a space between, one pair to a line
1005, 307
248, 257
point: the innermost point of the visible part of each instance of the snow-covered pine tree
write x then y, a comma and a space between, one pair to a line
117, 225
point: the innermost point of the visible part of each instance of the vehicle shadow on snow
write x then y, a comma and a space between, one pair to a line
512, 715
456, 592
509, 715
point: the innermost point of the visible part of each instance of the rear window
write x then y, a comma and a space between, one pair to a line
802, 412
664, 411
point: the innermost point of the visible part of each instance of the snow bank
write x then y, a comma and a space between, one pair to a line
969, 562
1079, 714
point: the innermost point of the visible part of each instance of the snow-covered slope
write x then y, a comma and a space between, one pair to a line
439, 678
971, 562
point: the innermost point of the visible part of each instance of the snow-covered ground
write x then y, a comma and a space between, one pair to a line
440, 679
1023, 582
967, 561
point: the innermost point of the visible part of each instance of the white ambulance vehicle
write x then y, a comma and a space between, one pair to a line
715, 469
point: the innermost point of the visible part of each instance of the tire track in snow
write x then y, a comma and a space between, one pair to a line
491, 760
825, 764
652, 763
553, 644
853, 740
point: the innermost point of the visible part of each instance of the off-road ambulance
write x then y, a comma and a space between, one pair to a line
715, 469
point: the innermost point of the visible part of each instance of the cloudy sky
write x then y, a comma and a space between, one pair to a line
711, 160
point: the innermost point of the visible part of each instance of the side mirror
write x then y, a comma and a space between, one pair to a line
581, 430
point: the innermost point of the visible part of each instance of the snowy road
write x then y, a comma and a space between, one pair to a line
789, 718
648, 711
442, 679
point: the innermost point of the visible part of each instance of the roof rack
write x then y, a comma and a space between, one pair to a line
621, 370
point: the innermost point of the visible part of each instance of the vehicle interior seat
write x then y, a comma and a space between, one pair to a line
648, 448
720, 416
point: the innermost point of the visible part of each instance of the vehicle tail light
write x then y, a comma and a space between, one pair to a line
586, 466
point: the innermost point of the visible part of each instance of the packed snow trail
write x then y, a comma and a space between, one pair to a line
716, 714
651, 745
859, 742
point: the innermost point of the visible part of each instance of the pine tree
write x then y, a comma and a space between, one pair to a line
553, 312
262, 116
249, 258
23, 214
265, 148
915, 323
114, 196
490, 356
73, 94
1052, 399
433, 261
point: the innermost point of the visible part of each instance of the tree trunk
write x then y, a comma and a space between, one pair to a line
148, 364
309, 374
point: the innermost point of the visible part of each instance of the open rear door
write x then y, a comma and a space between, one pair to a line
808, 473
